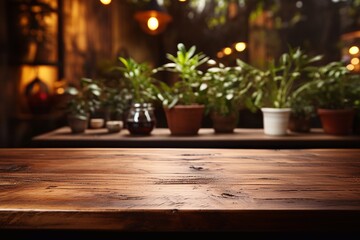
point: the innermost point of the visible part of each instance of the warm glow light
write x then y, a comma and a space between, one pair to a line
354, 50
227, 51
24, 21
153, 23
182, 0
350, 67
48, 74
240, 46
220, 55
60, 91
105, 2
355, 61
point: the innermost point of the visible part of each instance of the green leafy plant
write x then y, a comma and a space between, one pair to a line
116, 101
140, 80
84, 100
302, 105
226, 88
186, 64
334, 87
275, 86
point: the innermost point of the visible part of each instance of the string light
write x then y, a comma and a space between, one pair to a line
355, 61
220, 54
354, 50
240, 46
227, 51
350, 67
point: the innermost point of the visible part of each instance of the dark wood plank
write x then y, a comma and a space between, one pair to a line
161, 137
180, 189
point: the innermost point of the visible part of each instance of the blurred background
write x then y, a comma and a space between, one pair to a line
47, 45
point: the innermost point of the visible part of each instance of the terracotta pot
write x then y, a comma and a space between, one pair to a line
357, 123
184, 119
337, 121
224, 124
299, 124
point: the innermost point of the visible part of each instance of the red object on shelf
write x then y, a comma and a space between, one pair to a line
38, 96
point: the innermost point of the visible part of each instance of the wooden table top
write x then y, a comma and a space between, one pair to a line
180, 189
161, 137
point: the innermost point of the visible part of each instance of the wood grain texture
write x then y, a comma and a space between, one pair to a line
161, 137
180, 189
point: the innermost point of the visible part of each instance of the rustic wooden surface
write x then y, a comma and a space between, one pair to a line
180, 189
161, 137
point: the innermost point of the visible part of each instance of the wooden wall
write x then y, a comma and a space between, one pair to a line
3, 76
85, 42
129, 38
95, 35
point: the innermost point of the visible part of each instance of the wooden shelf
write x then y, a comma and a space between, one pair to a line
161, 137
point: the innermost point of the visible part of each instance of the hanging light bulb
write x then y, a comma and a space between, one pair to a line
153, 23
154, 19
105, 2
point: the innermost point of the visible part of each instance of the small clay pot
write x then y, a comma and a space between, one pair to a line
114, 126
77, 125
97, 123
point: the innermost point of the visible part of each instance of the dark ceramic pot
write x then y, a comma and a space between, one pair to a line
224, 124
77, 125
299, 124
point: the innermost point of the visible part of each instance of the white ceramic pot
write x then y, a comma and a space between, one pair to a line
276, 120
114, 126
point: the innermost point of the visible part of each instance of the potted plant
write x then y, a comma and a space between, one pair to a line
302, 111
115, 101
183, 102
275, 86
302, 107
357, 114
335, 93
357, 109
83, 101
140, 119
226, 90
